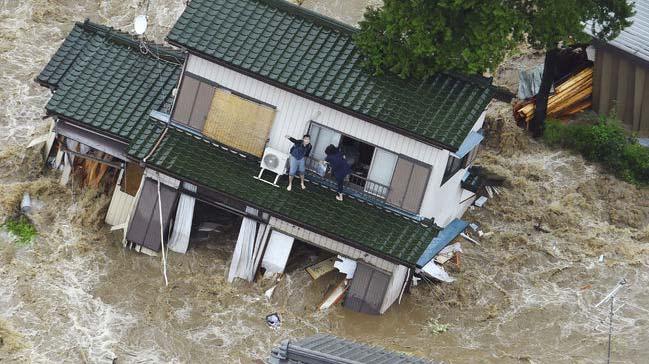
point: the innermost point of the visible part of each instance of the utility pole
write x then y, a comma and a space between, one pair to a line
611, 297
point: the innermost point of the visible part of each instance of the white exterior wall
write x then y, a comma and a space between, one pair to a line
294, 114
445, 200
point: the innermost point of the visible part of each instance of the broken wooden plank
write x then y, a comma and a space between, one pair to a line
321, 268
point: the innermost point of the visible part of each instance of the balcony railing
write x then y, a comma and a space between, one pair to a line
354, 181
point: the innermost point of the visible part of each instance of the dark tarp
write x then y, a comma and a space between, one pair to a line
367, 290
145, 225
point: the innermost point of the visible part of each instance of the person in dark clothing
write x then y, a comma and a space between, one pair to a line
339, 167
297, 160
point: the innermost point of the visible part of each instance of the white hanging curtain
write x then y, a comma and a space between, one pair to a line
249, 245
277, 252
179, 241
395, 287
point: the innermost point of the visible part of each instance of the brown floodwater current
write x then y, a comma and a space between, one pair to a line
521, 296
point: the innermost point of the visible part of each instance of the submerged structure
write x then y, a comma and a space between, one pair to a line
328, 349
173, 133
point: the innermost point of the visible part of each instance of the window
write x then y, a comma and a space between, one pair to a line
229, 118
408, 185
454, 164
471, 157
375, 171
193, 102
321, 137
239, 122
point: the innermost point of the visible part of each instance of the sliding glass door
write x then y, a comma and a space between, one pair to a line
321, 137
381, 170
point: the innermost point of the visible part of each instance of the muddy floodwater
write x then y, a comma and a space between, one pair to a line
522, 296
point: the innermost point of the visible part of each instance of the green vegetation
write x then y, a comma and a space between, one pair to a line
605, 142
559, 24
422, 37
21, 228
435, 327
419, 38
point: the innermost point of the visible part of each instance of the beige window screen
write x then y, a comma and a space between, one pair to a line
238, 122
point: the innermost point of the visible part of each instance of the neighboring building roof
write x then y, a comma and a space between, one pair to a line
316, 57
359, 224
328, 349
104, 81
635, 38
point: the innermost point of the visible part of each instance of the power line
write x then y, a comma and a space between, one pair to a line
611, 297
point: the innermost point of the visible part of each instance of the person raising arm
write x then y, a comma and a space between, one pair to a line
297, 160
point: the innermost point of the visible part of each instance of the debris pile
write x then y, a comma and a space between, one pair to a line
572, 95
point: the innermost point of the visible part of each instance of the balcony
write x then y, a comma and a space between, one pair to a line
358, 187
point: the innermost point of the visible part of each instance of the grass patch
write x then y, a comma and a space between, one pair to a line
606, 143
434, 327
21, 228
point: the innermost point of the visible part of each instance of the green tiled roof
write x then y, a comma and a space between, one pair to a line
369, 227
316, 57
105, 81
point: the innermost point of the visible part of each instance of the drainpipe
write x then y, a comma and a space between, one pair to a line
173, 105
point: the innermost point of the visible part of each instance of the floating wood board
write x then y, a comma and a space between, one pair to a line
334, 296
321, 268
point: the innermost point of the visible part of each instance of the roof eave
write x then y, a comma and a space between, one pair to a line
105, 133
598, 43
283, 217
435, 143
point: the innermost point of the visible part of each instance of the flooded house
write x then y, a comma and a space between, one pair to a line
621, 74
329, 349
180, 135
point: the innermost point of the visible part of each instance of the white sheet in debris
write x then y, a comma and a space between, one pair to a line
277, 252
436, 271
179, 241
345, 265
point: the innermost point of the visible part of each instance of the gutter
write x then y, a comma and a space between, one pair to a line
173, 106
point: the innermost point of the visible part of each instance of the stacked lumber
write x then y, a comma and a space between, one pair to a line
569, 97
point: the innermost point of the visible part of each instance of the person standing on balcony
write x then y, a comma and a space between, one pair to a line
297, 160
339, 167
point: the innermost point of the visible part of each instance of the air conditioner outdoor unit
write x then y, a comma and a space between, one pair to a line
274, 161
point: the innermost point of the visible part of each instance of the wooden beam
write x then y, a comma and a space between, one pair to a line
110, 163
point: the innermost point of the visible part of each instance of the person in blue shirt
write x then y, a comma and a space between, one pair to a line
297, 160
339, 167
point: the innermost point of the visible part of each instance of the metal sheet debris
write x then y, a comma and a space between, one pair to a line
436, 271
345, 265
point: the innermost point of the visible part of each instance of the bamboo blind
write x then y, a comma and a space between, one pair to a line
239, 123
